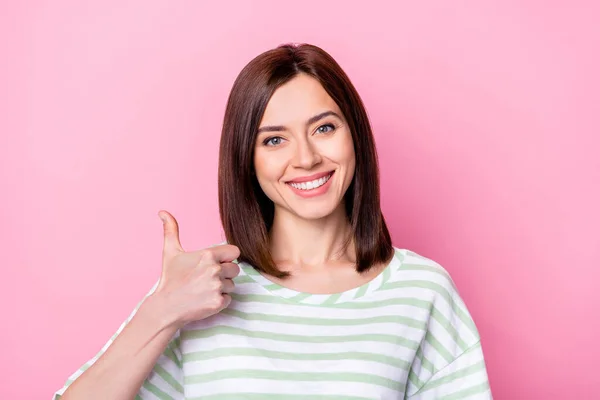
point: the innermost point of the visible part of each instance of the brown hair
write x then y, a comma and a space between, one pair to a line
246, 212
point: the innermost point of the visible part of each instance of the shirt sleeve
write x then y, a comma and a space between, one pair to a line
449, 362
165, 381
464, 378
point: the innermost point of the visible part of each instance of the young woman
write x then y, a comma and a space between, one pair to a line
309, 299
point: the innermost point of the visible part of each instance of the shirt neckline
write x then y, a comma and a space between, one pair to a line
326, 299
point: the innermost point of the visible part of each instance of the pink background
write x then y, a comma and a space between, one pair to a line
486, 119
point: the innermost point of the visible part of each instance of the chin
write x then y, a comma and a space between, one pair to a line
314, 211
313, 214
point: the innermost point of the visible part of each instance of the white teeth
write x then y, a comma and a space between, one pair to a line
312, 184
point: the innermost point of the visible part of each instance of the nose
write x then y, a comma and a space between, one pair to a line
306, 156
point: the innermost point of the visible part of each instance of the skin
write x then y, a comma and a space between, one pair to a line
308, 234
306, 239
193, 286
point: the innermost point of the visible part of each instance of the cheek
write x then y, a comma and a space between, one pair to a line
349, 152
341, 150
347, 156
268, 166
348, 148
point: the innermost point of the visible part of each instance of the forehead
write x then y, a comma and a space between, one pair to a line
298, 100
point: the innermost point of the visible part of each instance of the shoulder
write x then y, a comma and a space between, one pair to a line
430, 274
430, 282
450, 356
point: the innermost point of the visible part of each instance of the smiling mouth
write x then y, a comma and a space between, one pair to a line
310, 185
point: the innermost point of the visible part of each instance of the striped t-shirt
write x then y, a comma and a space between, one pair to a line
405, 334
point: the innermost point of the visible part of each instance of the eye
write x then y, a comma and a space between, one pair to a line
325, 128
273, 141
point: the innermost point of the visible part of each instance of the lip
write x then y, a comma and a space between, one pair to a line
310, 177
312, 193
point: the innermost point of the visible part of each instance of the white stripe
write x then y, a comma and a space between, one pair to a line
307, 389
342, 335
225, 341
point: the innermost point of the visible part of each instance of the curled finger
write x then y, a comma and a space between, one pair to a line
229, 270
227, 286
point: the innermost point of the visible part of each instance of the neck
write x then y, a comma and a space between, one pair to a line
314, 243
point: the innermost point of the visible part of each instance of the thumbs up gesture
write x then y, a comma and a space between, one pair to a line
194, 285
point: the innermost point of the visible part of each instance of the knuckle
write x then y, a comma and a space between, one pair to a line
217, 286
229, 285
225, 300
217, 302
215, 269
226, 287
202, 255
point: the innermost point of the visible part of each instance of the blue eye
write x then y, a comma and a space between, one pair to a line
273, 141
325, 128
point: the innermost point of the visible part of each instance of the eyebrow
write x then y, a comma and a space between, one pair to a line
311, 120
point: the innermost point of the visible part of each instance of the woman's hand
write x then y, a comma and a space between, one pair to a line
193, 285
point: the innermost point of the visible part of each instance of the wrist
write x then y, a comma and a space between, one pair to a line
157, 310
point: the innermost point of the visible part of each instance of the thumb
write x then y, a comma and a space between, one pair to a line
171, 242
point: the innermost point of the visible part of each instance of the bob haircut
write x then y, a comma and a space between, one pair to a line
246, 212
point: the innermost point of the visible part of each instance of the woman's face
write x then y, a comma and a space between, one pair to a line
304, 154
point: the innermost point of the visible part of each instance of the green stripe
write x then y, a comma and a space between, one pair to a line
241, 279
156, 391
270, 299
332, 299
461, 373
386, 275
454, 375
446, 324
85, 366
361, 291
300, 297
251, 271
438, 347
428, 365
279, 396
78, 373
283, 337
163, 373
253, 352
425, 363
395, 301
441, 271
456, 308
414, 379
391, 319
170, 354
273, 286
293, 377
482, 388
428, 268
